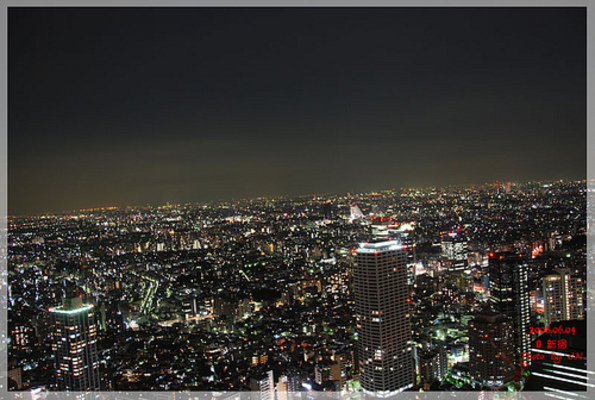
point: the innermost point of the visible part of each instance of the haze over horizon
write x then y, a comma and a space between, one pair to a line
131, 106
223, 201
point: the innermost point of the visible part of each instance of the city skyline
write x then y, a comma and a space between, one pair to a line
306, 294
206, 104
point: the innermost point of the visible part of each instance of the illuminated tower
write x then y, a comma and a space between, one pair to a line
491, 349
509, 295
383, 325
74, 337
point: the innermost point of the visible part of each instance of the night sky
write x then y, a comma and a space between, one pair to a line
135, 106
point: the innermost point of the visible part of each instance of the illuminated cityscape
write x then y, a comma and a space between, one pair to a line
356, 202
263, 294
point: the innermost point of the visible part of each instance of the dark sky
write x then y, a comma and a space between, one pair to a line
129, 106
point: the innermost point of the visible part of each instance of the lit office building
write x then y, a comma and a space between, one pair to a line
509, 295
491, 349
563, 297
383, 325
432, 365
74, 337
455, 250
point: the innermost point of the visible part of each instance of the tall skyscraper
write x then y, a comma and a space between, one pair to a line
509, 295
383, 324
74, 338
563, 297
491, 349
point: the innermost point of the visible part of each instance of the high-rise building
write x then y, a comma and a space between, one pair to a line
563, 297
509, 295
281, 388
404, 234
491, 349
432, 365
265, 385
383, 324
74, 344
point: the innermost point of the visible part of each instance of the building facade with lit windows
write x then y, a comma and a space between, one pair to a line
22, 336
455, 250
509, 295
491, 351
264, 384
383, 321
74, 344
433, 365
563, 297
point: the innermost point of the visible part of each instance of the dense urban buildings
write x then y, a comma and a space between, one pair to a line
284, 296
